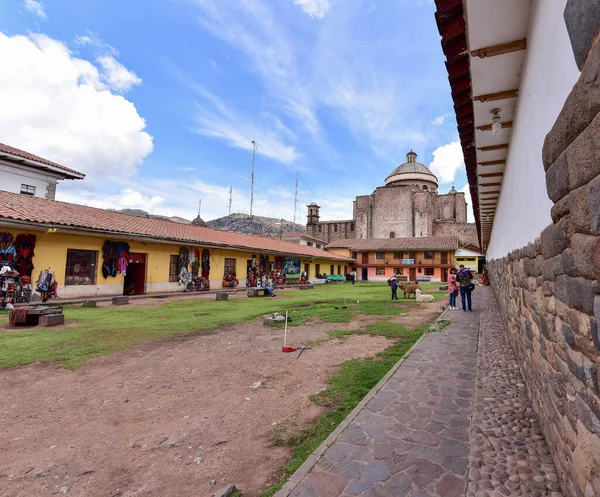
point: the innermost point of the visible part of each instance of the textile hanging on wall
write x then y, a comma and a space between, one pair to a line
46, 284
206, 263
25, 247
7, 248
115, 257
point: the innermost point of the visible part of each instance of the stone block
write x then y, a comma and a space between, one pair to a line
582, 368
580, 108
583, 247
222, 296
593, 198
553, 241
88, 303
582, 19
595, 334
548, 288
562, 289
227, 491
557, 179
583, 156
124, 300
52, 320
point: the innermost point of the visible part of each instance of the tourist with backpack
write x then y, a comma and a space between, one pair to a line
465, 283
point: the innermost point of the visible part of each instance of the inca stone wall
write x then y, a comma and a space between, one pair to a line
549, 292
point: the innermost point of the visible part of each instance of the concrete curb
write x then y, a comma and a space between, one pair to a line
310, 463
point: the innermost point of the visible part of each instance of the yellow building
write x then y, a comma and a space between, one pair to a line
70, 241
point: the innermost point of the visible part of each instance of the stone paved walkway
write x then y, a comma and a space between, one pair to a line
415, 436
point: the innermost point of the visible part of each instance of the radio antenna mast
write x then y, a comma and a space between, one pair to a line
230, 196
296, 197
252, 182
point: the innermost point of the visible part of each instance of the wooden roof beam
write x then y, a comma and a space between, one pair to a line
502, 48
491, 148
485, 185
501, 95
491, 175
492, 163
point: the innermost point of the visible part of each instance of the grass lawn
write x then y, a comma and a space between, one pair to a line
101, 331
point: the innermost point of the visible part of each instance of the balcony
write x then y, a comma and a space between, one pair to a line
436, 261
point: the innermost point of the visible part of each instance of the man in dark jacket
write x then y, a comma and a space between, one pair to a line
464, 278
394, 286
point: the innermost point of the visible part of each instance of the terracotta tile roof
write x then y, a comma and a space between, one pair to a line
422, 243
294, 234
36, 210
67, 173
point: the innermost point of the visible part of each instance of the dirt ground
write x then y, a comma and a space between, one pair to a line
171, 417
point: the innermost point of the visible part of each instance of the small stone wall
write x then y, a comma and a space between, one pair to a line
549, 292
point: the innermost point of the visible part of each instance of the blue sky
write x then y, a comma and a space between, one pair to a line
158, 102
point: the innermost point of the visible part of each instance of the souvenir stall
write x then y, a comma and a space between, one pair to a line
230, 280
16, 267
197, 278
262, 268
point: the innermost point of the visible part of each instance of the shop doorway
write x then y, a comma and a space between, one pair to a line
444, 275
317, 270
480, 264
412, 274
307, 270
365, 274
135, 276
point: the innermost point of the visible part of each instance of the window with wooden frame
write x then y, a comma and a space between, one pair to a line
27, 189
428, 255
309, 244
379, 255
399, 271
380, 271
331, 269
429, 271
81, 267
229, 266
173, 272
339, 269
397, 255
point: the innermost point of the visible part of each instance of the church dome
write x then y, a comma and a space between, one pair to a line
411, 173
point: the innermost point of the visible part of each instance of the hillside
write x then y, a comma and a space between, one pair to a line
238, 223
241, 223
142, 213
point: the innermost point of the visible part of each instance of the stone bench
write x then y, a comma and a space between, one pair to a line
124, 300
44, 316
307, 287
89, 303
443, 288
256, 292
222, 296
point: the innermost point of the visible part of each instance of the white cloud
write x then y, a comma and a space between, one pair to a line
36, 8
447, 160
116, 75
216, 120
56, 105
249, 27
314, 8
439, 120
470, 216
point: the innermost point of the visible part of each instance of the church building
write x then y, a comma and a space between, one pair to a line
408, 205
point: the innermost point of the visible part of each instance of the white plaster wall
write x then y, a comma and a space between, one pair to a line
548, 76
11, 180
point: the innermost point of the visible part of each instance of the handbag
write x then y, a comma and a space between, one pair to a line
471, 286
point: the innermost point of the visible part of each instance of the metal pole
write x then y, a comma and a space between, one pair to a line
296, 198
252, 183
230, 196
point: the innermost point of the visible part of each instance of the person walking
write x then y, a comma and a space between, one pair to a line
452, 288
465, 282
394, 286
353, 277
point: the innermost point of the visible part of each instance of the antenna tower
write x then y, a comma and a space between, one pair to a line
252, 183
296, 197
230, 196
199, 206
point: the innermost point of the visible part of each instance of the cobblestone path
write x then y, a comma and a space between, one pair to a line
452, 421
508, 456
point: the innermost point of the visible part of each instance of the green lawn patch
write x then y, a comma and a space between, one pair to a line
104, 330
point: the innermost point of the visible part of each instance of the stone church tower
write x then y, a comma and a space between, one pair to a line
408, 205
